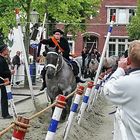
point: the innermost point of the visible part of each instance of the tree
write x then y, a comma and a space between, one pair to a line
133, 27
73, 13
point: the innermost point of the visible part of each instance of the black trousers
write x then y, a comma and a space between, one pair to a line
4, 102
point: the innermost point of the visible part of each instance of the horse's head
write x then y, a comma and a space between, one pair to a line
52, 61
93, 65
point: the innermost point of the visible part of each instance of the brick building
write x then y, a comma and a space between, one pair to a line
97, 28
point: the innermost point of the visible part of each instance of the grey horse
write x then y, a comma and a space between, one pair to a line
59, 77
90, 66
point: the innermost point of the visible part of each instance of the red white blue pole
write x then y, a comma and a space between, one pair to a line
11, 101
84, 102
101, 61
61, 102
20, 128
74, 108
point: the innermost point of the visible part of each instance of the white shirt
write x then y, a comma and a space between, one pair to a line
124, 90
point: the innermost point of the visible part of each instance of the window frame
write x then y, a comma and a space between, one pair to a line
117, 43
127, 10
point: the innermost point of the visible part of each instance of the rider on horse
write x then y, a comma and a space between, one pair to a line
62, 45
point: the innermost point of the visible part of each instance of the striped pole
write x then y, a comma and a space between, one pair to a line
101, 61
74, 108
84, 102
61, 102
20, 128
11, 101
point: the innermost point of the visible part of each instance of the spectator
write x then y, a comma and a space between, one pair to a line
5, 73
16, 59
123, 90
84, 54
16, 64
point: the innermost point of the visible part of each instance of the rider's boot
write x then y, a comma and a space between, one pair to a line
43, 72
76, 72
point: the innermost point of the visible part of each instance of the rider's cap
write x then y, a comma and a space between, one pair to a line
3, 47
58, 30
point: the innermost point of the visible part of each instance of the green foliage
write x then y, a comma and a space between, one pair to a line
73, 13
133, 27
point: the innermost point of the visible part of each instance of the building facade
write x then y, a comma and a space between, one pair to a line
97, 28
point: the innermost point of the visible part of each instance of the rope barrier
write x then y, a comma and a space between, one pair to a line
35, 115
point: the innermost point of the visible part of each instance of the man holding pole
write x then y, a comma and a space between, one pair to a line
5, 74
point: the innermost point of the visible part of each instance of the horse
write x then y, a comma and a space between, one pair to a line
59, 78
90, 67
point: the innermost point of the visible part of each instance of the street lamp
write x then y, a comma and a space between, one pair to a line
34, 17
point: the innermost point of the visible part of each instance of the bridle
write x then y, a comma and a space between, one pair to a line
55, 67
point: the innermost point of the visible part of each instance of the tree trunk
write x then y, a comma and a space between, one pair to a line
27, 40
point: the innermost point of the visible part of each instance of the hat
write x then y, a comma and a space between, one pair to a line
58, 30
3, 47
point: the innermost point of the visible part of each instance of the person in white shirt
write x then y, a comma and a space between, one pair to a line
124, 90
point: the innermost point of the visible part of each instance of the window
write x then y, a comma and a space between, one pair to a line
117, 46
123, 15
90, 42
111, 49
121, 49
112, 12
132, 13
71, 44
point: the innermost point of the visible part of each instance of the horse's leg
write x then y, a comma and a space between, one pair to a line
53, 106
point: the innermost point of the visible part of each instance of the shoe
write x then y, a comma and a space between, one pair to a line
78, 80
7, 117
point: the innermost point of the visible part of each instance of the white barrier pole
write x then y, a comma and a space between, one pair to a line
74, 108
61, 101
24, 52
11, 101
84, 102
101, 60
